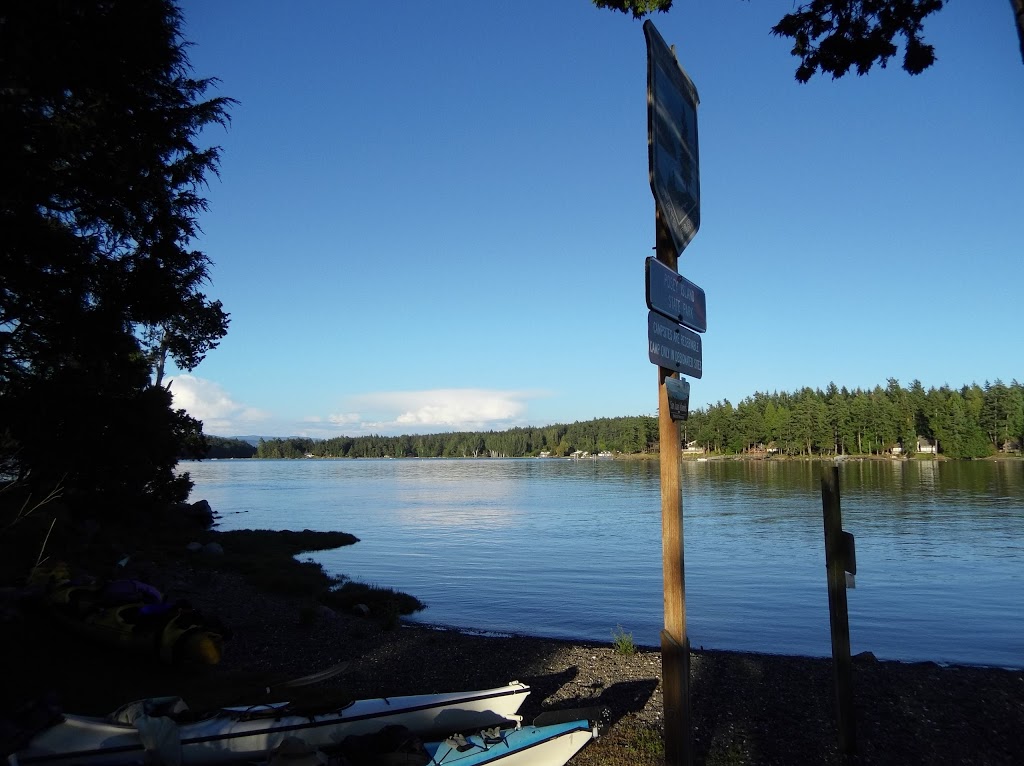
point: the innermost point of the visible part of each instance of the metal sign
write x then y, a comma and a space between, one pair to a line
675, 297
672, 139
678, 398
672, 346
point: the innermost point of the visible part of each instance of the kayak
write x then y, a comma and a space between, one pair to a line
554, 738
250, 732
534, 745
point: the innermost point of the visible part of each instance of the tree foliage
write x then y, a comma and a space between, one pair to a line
221, 448
835, 36
99, 201
627, 434
969, 422
639, 8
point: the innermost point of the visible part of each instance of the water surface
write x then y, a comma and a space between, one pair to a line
572, 549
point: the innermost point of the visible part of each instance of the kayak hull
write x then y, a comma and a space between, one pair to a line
527, 746
245, 733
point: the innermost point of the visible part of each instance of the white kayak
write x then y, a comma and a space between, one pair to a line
246, 733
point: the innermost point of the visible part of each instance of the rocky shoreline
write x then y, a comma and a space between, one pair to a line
747, 708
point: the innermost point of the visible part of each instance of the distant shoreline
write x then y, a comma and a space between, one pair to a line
692, 456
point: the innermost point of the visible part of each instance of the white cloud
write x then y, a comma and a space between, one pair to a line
387, 413
446, 409
209, 402
459, 407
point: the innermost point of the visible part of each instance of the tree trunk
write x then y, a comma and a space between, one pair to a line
161, 360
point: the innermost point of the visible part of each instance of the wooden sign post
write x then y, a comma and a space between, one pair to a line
674, 168
675, 645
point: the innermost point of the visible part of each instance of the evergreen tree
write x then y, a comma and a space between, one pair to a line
229, 448
838, 413
917, 399
750, 426
1015, 416
994, 415
902, 410
98, 205
802, 423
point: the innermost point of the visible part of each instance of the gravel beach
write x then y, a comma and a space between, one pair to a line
747, 708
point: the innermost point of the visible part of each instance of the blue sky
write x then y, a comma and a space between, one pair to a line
435, 216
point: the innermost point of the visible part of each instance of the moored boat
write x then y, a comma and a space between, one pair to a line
249, 733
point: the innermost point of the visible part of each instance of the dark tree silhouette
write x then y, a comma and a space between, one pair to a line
99, 198
835, 36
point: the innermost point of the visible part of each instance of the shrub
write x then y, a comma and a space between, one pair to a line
623, 642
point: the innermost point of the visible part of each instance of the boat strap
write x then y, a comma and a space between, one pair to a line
151, 706
459, 742
492, 736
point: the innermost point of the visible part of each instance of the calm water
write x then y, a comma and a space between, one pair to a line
573, 549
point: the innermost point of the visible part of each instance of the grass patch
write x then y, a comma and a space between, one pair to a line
267, 558
649, 742
386, 604
732, 755
623, 642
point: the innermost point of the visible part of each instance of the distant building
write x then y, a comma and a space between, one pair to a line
924, 446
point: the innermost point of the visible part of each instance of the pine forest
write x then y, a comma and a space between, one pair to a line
970, 422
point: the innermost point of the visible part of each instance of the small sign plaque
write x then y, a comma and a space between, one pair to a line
675, 297
849, 553
678, 398
672, 346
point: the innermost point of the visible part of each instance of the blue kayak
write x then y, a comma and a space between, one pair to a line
551, 745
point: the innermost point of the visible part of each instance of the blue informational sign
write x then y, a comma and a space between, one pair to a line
673, 347
675, 297
672, 139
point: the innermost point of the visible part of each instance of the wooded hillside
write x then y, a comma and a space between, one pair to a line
969, 422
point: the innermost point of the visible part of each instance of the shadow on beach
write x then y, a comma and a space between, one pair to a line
746, 708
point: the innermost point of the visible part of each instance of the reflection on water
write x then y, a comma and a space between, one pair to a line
572, 548
464, 495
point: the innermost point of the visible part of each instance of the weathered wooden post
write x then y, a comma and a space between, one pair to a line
839, 559
675, 646
677, 314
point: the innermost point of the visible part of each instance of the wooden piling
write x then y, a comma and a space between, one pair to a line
839, 618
